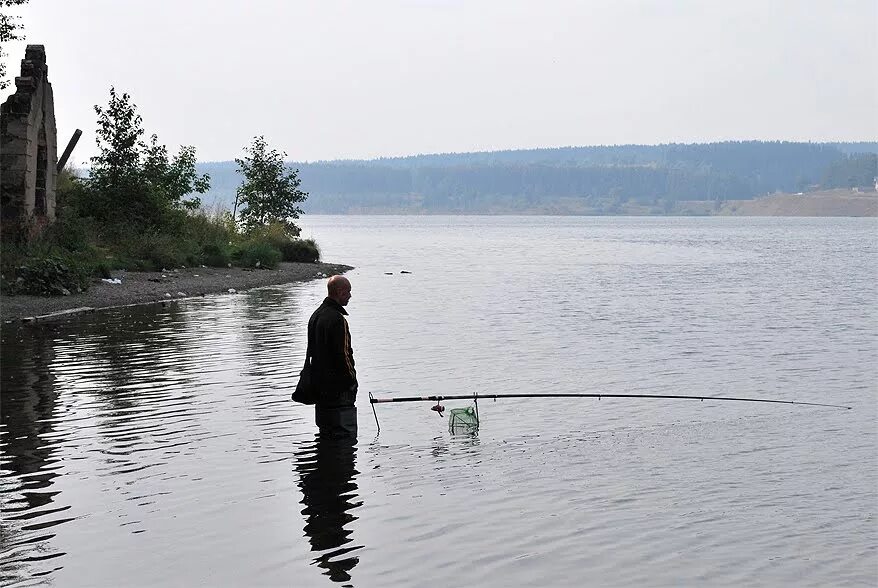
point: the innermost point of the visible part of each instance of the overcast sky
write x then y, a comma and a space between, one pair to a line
361, 79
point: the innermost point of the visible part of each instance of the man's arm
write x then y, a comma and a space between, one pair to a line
342, 358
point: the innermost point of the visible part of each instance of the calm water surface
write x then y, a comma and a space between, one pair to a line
157, 445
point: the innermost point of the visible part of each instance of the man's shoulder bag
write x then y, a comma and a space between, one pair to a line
306, 391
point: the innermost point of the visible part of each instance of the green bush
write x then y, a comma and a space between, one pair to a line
211, 226
216, 254
155, 251
303, 250
70, 232
47, 276
102, 269
291, 247
256, 253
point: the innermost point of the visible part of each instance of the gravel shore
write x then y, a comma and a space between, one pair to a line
153, 287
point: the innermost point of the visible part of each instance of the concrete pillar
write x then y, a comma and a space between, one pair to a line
28, 150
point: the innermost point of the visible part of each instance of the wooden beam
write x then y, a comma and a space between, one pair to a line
62, 161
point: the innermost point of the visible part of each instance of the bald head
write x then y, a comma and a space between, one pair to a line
339, 289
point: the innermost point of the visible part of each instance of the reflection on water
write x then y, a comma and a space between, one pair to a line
29, 465
115, 369
111, 420
327, 477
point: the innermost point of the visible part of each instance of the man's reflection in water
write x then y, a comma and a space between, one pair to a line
328, 483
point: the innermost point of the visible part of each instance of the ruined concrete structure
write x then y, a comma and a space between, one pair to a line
28, 150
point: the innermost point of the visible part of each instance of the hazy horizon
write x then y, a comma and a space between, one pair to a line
547, 148
348, 81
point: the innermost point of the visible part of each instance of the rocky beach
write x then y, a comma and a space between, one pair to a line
127, 288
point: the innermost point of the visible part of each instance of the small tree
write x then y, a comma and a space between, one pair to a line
134, 183
115, 169
269, 191
172, 180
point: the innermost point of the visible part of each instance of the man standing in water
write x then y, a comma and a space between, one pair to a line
332, 363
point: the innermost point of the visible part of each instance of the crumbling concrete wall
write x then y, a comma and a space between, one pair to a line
28, 150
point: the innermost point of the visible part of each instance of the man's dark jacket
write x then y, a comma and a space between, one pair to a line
332, 358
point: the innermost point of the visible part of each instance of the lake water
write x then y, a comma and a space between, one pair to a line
157, 445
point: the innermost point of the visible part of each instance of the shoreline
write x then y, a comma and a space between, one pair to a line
840, 203
155, 287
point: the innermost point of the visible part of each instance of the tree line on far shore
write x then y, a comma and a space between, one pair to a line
606, 176
138, 208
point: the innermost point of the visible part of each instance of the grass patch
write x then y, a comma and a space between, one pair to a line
290, 246
256, 253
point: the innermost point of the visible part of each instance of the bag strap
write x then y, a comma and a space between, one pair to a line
307, 350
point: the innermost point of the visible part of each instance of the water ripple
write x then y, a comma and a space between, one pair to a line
158, 445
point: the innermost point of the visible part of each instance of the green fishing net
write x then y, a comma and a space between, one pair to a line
463, 420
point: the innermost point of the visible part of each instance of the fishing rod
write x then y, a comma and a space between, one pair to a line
475, 397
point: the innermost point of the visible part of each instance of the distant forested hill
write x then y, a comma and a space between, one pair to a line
599, 179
